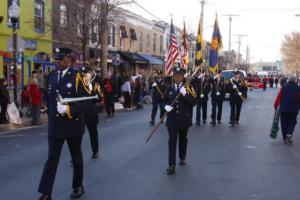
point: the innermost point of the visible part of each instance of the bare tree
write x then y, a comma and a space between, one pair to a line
290, 51
106, 7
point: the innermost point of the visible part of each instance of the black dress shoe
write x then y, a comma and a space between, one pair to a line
231, 123
213, 123
78, 192
44, 197
204, 122
182, 163
198, 123
237, 122
219, 122
152, 123
171, 169
95, 155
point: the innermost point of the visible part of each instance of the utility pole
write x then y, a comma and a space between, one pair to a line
247, 59
202, 2
230, 21
240, 43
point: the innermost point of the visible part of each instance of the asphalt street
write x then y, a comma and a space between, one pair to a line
223, 162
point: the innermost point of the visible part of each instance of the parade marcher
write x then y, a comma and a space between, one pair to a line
4, 101
276, 81
265, 82
271, 81
237, 89
91, 114
157, 96
109, 90
65, 123
202, 87
288, 101
179, 117
217, 97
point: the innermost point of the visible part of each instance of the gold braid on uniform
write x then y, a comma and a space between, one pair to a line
244, 84
79, 78
98, 89
69, 112
191, 91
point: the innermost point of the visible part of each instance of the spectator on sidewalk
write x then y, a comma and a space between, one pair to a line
288, 101
35, 99
109, 90
126, 91
138, 99
4, 101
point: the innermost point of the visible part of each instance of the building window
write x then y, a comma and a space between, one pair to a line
131, 44
111, 35
94, 33
9, 24
161, 44
148, 43
39, 16
63, 15
140, 41
154, 43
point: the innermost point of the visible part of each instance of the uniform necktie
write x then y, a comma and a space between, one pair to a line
60, 73
177, 87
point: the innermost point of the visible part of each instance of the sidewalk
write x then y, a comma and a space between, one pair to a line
26, 122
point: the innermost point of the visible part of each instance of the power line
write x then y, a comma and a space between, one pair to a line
147, 11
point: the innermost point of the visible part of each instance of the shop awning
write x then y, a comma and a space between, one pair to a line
133, 57
151, 59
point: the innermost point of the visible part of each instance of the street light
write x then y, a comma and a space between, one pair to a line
14, 14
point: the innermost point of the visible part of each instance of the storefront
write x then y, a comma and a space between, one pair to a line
133, 64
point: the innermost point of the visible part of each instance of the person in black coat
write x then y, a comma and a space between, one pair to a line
4, 101
202, 86
217, 97
157, 96
65, 123
288, 101
179, 117
91, 114
238, 91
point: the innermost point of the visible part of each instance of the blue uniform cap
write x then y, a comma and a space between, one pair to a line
178, 70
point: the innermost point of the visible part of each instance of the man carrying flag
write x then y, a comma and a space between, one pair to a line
173, 51
216, 46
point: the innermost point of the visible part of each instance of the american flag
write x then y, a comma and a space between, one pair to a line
173, 51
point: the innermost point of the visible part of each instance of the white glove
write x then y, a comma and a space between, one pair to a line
62, 109
201, 96
183, 91
90, 87
154, 84
168, 108
218, 93
186, 75
240, 94
234, 87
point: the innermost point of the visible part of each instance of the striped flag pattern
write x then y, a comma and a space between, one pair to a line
185, 54
173, 51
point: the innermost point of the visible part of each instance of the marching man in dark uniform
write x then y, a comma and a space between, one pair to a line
157, 96
238, 89
91, 115
179, 117
217, 97
202, 86
65, 123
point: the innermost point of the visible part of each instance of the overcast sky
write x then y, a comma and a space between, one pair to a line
264, 21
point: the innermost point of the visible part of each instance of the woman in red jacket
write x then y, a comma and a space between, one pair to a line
35, 100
